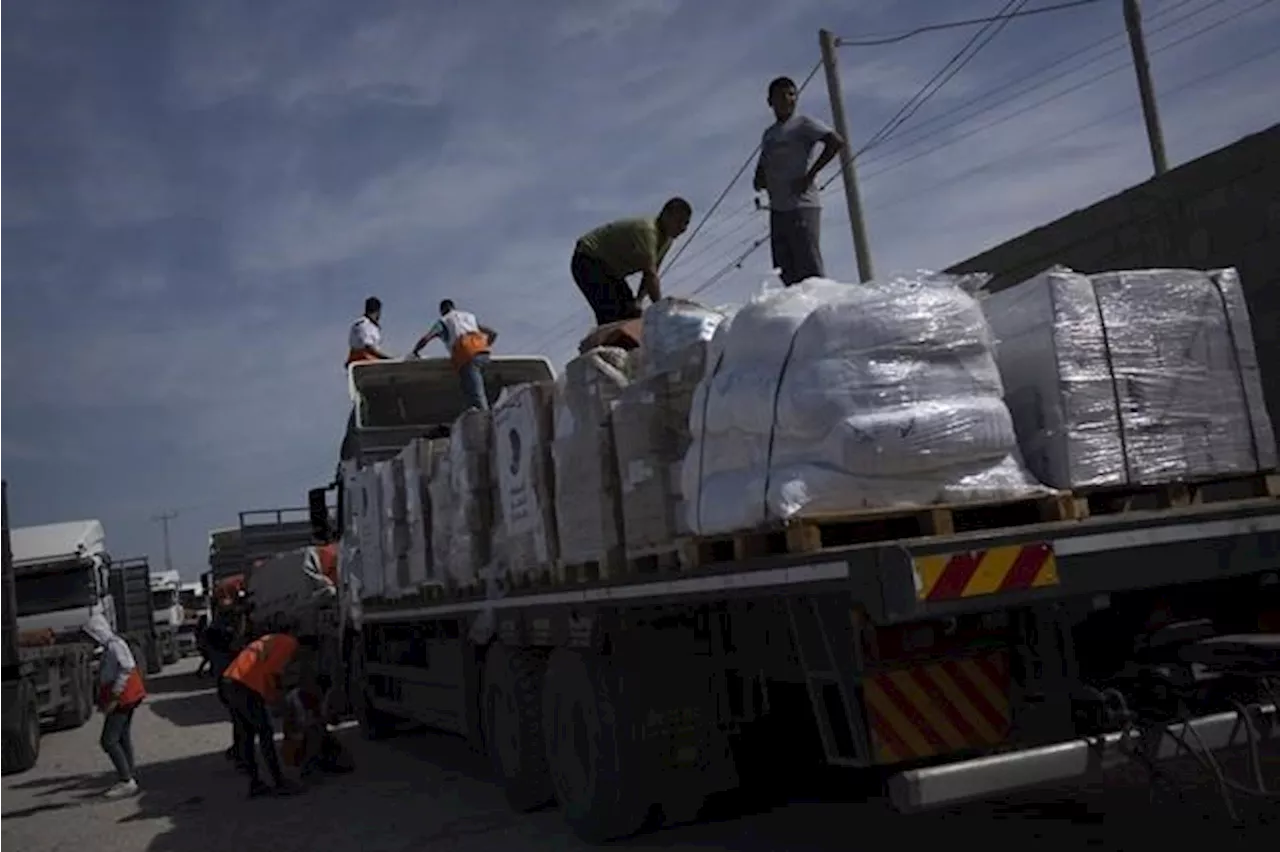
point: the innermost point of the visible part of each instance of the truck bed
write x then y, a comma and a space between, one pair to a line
936, 576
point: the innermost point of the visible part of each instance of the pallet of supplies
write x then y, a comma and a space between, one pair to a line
1132, 378
827, 397
525, 527
461, 493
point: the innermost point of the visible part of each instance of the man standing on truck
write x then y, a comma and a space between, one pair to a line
795, 208
364, 342
120, 691
469, 345
604, 257
253, 682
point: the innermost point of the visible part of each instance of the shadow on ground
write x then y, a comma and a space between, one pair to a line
186, 710
183, 681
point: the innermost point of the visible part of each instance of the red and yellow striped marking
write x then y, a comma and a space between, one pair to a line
936, 708
948, 576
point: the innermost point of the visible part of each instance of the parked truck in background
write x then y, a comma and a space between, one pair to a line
61, 578
167, 613
195, 604
135, 615
959, 665
21, 711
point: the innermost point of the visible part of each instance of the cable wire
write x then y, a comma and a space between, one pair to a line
894, 39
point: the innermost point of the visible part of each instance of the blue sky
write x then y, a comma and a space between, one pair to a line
198, 196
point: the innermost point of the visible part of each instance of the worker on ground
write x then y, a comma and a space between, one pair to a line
795, 208
364, 342
252, 684
469, 344
120, 691
604, 257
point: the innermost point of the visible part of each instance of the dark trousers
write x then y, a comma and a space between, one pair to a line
117, 740
252, 723
610, 297
794, 237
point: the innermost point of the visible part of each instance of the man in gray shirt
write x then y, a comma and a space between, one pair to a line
795, 210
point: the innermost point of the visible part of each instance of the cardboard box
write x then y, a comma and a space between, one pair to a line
525, 535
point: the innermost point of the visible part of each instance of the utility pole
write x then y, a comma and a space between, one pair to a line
827, 41
163, 519
1155, 136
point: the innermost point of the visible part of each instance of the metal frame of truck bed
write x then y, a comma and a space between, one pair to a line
1092, 559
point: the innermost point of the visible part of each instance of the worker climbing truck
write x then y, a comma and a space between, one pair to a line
955, 651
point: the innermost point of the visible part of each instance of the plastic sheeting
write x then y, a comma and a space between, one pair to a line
524, 535
828, 397
1130, 378
588, 498
676, 335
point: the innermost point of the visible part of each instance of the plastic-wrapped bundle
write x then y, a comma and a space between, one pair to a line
827, 397
461, 491
588, 495
1132, 378
675, 337
524, 530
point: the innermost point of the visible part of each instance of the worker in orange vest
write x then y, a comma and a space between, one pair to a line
252, 683
469, 344
120, 691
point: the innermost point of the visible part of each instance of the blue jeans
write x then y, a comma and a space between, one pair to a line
117, 741
472, 378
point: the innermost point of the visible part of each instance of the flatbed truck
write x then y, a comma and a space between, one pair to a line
135, 611
953, 667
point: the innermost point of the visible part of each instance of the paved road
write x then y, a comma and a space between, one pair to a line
425, 792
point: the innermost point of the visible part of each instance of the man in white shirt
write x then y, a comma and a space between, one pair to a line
364, 342
468, 342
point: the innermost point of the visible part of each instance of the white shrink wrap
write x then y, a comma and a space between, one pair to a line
1132, 378
829, 397
675, 337
372, 558
588, 500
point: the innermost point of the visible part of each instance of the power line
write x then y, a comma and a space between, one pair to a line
1064, 92
954, 66
1037, 144
879, 40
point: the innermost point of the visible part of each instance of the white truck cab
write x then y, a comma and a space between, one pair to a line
61, 575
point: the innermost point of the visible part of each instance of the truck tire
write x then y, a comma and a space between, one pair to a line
171, 655
152, 655
598, 768
512, 714
22, 740
374, 724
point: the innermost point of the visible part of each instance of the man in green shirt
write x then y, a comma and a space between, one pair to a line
604, 257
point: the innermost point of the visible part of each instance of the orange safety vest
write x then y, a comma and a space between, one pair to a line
261, 663
327, 556
354, 355
467, 347
132, 694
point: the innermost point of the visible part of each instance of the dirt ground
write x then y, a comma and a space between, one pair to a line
424, 791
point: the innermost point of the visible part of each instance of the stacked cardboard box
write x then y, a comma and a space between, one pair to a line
461, 491
650, 422
1132, 378
588, 504
394, 527
418, 460
370, 511
525, 526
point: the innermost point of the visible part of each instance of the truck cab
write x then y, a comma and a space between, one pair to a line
167, 613
195, 603
61, 577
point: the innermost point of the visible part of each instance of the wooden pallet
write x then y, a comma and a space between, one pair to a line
821, 532
654, 560
1113, 500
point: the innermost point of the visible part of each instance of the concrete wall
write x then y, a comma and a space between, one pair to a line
1220, 210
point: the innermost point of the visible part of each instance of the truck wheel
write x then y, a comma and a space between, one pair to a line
598, 770
171, 654
512, 706
22, 741
374, 724
79, 707
152, 654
